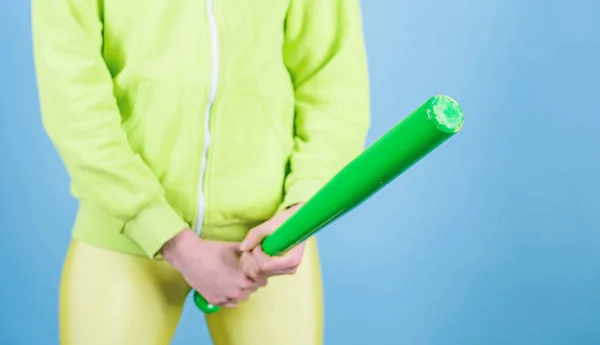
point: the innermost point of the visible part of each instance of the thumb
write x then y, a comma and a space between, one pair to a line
255, 237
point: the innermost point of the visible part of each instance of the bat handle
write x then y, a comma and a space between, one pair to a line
208, 308
203, 304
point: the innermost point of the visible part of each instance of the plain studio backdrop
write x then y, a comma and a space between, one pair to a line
492, 239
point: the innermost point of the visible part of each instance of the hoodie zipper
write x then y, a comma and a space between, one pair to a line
214, 40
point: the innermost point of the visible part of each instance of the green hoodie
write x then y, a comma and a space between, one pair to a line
206, 114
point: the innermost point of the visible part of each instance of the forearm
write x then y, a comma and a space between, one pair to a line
81, 117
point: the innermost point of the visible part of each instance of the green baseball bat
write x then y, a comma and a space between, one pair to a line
404, 145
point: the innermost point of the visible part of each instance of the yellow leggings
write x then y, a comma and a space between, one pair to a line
112, 298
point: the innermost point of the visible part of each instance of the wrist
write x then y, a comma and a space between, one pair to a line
175, 249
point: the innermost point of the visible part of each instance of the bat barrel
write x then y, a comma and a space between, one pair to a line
404, 145
412, 139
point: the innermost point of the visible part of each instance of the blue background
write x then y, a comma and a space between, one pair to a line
492, 239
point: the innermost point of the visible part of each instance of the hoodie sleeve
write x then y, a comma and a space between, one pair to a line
325, 54
82, 119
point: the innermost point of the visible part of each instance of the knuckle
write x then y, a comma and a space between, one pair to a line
246, 257
295, 262
217, 300
291, 262
234, 294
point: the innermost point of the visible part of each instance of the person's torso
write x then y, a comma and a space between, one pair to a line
207, 102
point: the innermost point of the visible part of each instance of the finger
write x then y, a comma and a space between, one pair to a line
288, 271
257, 258
249, 266
229, 305
245, 295
253, 284
270, 274
241, 297
280, 263
255, 236
218, 301
262, 282
264, 262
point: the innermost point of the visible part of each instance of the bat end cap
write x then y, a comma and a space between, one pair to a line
446, 113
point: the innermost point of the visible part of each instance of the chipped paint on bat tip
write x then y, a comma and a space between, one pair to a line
446, 113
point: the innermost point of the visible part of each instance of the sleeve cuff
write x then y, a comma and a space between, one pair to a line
154, 226
300, 191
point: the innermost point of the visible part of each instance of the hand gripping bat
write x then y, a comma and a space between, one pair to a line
404, 145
